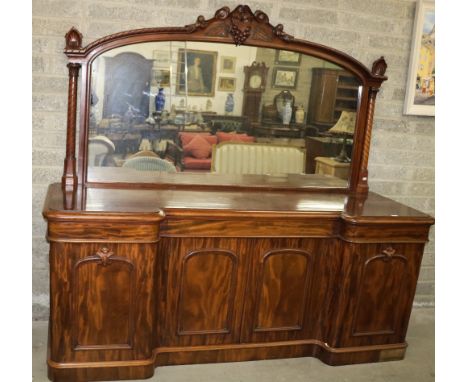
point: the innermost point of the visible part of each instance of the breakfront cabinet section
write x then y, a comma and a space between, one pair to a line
376, 294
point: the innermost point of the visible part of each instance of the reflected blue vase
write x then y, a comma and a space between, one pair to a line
229, 105
160, 100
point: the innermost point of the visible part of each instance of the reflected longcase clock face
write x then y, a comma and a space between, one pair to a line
255, 81
254, 86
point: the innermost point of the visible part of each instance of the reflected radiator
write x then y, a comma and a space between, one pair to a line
257, 158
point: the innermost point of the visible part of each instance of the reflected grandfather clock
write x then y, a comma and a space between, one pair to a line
254, 86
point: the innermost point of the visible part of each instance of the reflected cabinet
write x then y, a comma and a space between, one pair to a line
217, 207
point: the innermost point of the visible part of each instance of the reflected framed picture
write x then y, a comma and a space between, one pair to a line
228, 64
420, 87
161, 58
227, 84
285, 57
161, 78
196, 72
285, 78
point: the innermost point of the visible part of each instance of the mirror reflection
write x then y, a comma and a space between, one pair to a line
187, 107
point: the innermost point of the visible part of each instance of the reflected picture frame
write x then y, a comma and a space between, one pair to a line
161, 77
285, 78
286, 57
420, 86
228, 64
196, 72
226, 84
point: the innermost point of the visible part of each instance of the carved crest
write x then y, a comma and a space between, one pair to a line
241, 24
73, 39
379, 67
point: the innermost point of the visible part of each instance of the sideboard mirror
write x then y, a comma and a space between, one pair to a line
227, 102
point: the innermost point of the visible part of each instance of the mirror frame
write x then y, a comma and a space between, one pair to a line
240, 27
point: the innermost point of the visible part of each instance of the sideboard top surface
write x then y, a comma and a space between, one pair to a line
189, 202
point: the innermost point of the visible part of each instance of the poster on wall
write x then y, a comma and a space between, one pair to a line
420, 88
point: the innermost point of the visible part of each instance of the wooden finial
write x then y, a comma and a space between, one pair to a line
73, 39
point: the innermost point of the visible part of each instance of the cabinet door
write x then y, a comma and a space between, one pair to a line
102, 301
283, 299
204, 290
379, 286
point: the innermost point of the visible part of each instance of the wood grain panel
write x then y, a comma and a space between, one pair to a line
83, 289
202, 285
374, 300
283, 300
383, 280
300, 227
103, 302
283, 289
207, 292
103, 232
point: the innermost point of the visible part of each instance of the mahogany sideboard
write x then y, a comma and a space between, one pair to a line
151, 268
142, 278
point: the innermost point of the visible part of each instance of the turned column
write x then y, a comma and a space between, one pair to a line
69, 178
378, 70
73, 40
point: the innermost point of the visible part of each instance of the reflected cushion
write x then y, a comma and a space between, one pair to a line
186, 138
198, 147
228, 137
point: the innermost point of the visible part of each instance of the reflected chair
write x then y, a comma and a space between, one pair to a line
100, 148
149, 163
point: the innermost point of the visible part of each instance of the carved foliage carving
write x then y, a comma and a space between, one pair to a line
241, 24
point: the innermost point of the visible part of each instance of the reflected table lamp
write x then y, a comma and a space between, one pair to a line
344, 127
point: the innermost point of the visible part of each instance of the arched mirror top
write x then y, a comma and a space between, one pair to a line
160, 103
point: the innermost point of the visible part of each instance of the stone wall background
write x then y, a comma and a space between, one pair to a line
401, 164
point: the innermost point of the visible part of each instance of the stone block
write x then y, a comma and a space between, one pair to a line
40, 283
333, 37
46, 175
43, 26
425, 288
429, 257
50, 64
40, 253
50, 84
51, 140
49, 102
48, 45
56, 121
266, 7
427, 273
49, 157
309, 16
388, 9
57, 8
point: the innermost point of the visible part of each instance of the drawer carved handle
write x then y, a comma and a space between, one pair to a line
389, 252
105, 255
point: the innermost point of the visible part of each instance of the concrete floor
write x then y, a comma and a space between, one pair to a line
417, 366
